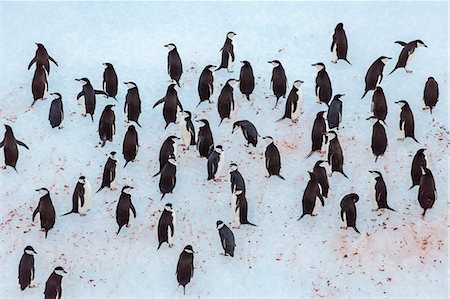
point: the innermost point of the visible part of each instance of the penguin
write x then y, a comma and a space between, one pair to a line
227, 53
379, 192
348, 210
322, 178
335, 156
404, 59
168, 178
171, 104
225, 102
166, 226
107, 125
215, 163
293, 102
427, 190
10, 149
323, 84
278, 82
42, 58
249, 131
205, 141
431, 94
273, 159
379, 138
246, 79
236, 179
339, 45
185, 267
168, 148
318, 133
56, 113
130, 146
132, 107
46, 211
81, 198
334, 115
374, 74
39, 84
406, 120
379, 106
187, 129
206, 84
109, 172
418, 162
110, 81
311, 197
53, 289
239, 207
26, 268
226, 238
174, 65
124, 206
88, 93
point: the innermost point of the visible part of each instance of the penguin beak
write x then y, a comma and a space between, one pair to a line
34, 252
389, 57
302, 81
77, 79
125, 82
313, 64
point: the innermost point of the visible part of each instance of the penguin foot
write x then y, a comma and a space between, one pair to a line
334, 61
128, 225
344, 227
4, 167
329, 174
171, 245
32, 286
82, 214
42, 229
409, 71
400, 139
60, 127
313, 215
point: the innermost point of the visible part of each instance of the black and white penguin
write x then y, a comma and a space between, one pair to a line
185, 267
334, 115
227, 53
273, 159
109, 172
311, 197
39, 85
348, 211
107, 125
378, 192
379, 137
166, 226
418, 162
205, 141
53, 288
81, 197
239, 206
427, 190
132, 107
206, 84
339, 45
174, 65
323, 84
278, 82
374, 74
236, 179
42, 58
168, 178
249, 131
379, 106
171, 104
56, 113
226, 238
246, 79
335, 156
46, 211
293, 102
406, 120
318, 133
225, 102
110, 81
408, 51
431, 94
168, 148
130, 146
26, 268
124, 206
322, 178
187, 129
88, 93
10, 148
215, 163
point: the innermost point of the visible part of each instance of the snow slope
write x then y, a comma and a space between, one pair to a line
398, 254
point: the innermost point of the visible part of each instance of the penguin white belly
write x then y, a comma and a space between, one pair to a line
126, 112
295, 114
344, 222
169, 235
130, 217
184, 133
335, 58
373, 196
175, 150
316, 206
234, 209
219, 166
317, 94
408, 61
113, 183
229, 62
87, 199
378, 81
82, 102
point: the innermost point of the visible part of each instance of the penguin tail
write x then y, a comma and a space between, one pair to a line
424, 211
126, 164
281, 119
118, 231
14, 167
99, 189
280, 176
164, 194
68, 213
414, 138
178, 83
411, 187
46, 232
431, 110
309, 155
303, 215
345, 59
138, 123
159, 246
184, 290
389, 208
103, 142
221, 121
167, 124
249, 223
220, 67
356, 230
92, 118
343, 174
248, 97
364, 94
382, 120
392, 71
376, 158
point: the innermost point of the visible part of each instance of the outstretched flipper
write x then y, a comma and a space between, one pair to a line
160, 101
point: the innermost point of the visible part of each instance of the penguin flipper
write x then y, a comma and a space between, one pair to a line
159, 102
400, 43
31, 62
22, 144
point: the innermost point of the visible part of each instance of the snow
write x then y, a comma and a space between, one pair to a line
398, 254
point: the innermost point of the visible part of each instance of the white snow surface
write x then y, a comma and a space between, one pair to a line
398, 254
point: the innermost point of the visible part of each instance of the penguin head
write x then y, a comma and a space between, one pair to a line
108, 65
131, 128
59, 271
401, 103
219, 224
318, 163
203, 122
245, 63
56, 95
275, 63
320, 66
233, 167
268, 139
210, 67
172, 160
339, 26
384, 59
232, 82
42, 191
112, 154
188, 249
236, 125
420, 43
172, 84
320, 114
8, 129
378, 89
338, 96
431, 79
421, 150
355, 197
109, 107
82, 180
173, 138
170, 46
40, 46
127, 189
130, 84
331, 135
29, 250
375, 173
298, 83
168, 207
219, 149
372, 119
187, 114
231, 35
83, 80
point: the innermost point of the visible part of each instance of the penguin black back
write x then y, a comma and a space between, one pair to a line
168, 178
107, 125
206, 84
123, 208
109, 171
374, 74
273, 158
322, 178
249, 131
278, 81
427, 190
334, 115
174, 65
236, 179
348, 210
46, 211
110, 81
418, 162
42, 58
132, 107
226, 238
185, 267
339, 45
205, 142
130, 145
406, 120
246, 79
323, 84
39, 84
379, 138
10, 148
227, 52
379, 106
26, 268
318, 134
56, 113
431, 93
